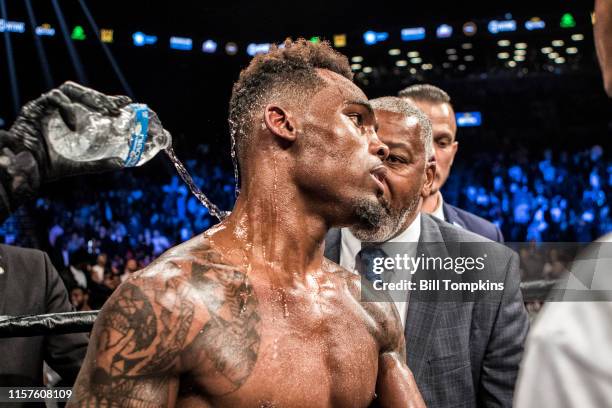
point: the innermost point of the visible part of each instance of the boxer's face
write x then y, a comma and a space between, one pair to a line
339, 158
408, 178
444, 129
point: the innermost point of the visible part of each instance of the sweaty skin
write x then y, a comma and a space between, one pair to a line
250, 314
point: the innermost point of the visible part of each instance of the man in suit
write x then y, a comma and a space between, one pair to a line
30, 285
436, 104
462, 353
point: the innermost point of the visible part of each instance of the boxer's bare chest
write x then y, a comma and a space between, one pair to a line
266, 347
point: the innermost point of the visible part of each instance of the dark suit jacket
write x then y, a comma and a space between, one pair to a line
30, 285
463, 354
471, 222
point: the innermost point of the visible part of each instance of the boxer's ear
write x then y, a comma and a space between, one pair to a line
280, 122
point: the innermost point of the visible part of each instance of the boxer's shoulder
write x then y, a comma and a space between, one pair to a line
377, 304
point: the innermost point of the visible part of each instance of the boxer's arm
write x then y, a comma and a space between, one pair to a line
134, 355
395, 385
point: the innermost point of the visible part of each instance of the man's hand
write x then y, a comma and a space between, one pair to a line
73, 102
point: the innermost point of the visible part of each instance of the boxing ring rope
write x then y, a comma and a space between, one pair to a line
46, 324
82, 322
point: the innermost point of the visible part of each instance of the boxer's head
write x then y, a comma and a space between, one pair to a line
411, 166
297, 117
436, 104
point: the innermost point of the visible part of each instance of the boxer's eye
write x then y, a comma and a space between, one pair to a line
357, 119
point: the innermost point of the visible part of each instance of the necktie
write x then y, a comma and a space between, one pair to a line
364, 262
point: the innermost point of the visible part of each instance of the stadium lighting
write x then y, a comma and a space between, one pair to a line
453, 57
367, 70
231, 48
45, 30
394, 51
553, 55
401, 63
559, 60
373, 37
181, 43
416, 60
426, 67
12, 26
413, 33
254, 49
519, 58
357, 58
558, 43
503, 43
535, 23
78, 34
461, 67
496, 26
572, 50
520, 52
107, 35
141, 39
444, 31
355, 67
413, 54
451, 51
511, 64
446, 65
466, 46
468, 58
413, 71
503, 55
209, 46
567, 21
577, 37
521, 46
547, 50
469, 28
339, 40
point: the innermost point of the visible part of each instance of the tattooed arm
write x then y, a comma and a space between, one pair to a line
195, 316
134, 355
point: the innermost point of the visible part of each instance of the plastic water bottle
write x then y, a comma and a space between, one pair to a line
135, 136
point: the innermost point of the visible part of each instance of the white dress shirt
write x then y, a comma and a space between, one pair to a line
569, 349
351, 245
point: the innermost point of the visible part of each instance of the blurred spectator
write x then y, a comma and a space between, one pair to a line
79, 297
97, 271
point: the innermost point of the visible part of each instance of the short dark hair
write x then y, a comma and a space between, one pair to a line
426, 93
288, 70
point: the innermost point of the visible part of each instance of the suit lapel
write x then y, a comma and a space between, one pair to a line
423, 308
450, 214
332, 245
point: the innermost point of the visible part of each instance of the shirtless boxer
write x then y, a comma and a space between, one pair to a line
250, 314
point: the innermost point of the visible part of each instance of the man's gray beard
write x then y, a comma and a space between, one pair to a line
380, 222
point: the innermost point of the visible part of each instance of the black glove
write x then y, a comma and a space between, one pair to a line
73, 102
27, 159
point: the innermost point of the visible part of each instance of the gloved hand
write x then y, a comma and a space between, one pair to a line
73, 102
27, 159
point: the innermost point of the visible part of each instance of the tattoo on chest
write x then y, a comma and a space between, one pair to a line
145, 331
231, 337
